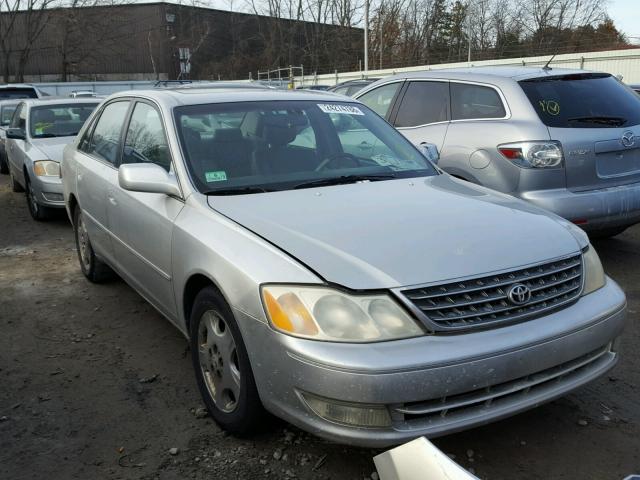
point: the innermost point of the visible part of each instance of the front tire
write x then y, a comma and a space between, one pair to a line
38, 212
92, 267
221, 364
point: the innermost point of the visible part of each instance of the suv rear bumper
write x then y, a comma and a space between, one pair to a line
594, 209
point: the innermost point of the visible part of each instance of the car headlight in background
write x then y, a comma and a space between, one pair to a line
46, 168
594, 277
533, 154
322, 313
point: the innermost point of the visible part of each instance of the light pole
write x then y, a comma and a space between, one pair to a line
469, 31
366, 36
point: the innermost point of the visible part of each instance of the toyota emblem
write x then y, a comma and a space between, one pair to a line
628, 139
519, 294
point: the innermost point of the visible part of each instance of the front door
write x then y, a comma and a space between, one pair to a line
142, 223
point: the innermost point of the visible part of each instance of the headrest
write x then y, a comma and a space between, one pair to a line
227, 135
279, 135
43, 116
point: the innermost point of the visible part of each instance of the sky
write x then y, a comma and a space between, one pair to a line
626, 16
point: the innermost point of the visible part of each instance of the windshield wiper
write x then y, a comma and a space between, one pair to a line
237, 191
344, 179
604, 120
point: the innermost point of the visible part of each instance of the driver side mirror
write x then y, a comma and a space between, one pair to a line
430, 151
148, 178
16, 134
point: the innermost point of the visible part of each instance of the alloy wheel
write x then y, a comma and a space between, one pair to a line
83, 244
218, 357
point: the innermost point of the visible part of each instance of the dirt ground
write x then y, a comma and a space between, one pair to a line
94, 384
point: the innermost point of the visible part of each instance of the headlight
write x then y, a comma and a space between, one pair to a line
326, 314
46, 168
594, 277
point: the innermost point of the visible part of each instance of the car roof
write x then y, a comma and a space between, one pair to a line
17, 85
196, 96
489, 73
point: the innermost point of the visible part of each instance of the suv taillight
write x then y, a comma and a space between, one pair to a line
533, 154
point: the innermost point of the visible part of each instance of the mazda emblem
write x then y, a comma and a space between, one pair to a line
519, 294
628, 139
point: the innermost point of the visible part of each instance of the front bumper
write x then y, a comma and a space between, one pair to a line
533, 362
603, 208
48, 191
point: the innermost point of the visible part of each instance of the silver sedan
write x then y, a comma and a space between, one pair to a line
324, 270
38, 132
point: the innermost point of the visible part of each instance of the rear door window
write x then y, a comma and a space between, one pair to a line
470, 102
583, 101
380, 99
423, 103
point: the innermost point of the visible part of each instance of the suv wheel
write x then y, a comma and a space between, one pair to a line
221, 364
92, 267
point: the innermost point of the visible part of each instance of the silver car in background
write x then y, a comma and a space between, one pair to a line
565, 140
38, 132
358, 293
7, 107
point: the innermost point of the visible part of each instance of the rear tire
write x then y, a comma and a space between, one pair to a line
92, 267
221, 365
15, 186
38, 212
607, 232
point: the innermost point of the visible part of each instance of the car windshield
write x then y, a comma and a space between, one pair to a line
583, 101
278, 145
60, 120
6, 113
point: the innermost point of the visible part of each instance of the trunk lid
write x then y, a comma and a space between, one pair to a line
597, 120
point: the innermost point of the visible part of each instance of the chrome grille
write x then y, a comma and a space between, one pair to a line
483, 301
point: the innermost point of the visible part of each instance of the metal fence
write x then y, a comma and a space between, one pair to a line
616, 62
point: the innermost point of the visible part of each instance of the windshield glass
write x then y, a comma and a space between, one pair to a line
583, 101
6, 113
264, 146
59, 120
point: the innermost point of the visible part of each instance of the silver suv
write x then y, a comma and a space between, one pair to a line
565, 140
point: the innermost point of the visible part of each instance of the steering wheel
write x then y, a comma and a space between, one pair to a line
340, 155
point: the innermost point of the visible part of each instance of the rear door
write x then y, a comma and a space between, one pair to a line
423, 112
597, 121
97, 158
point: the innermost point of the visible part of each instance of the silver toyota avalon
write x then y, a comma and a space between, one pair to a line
565, 140
324, 270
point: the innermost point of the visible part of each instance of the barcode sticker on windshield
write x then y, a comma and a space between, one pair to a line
337, 108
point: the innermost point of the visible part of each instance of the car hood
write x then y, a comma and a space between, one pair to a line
50, 148
403, 232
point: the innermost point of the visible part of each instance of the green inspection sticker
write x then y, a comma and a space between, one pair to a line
218, 176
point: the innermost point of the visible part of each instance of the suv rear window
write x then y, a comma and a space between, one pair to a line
583, 101
7, 93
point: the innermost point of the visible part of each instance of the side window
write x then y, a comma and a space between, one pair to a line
379, 99
146, 141
475, 101
341, 90
19, 119
423, 103
105, 140
83, 146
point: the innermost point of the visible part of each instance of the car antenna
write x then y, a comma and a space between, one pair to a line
546, 65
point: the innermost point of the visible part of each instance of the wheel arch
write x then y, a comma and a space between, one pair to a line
194, 285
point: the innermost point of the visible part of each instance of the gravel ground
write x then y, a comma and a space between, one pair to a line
95, 384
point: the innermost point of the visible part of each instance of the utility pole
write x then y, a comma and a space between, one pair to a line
380, 17
366, 36
469, 31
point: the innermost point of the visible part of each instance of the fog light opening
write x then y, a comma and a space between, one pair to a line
345, 413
